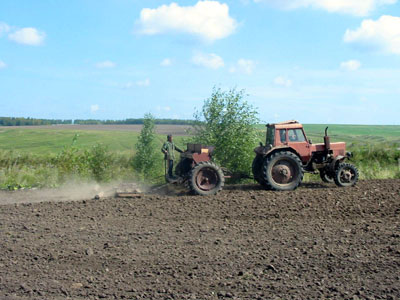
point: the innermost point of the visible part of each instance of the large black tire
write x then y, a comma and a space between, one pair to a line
282, 171
257, 169
183, 167
325, 176
346, 175
206, 178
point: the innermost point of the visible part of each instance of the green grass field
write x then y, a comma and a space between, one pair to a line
353, 134
51, 141
42, 157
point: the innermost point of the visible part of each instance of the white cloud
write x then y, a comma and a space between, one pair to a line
166, 62
2, 64
28, 36
211, 60
128, 85
245, 66
209, 20
94, 108
352, 7
282, 81
350, 65
105, 64
382, 35
165, 108
4, 28
145, 82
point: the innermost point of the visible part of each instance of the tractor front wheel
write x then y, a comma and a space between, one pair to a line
346, 175
282, 171
206, 178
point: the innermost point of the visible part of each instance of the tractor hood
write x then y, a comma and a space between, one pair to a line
337, 148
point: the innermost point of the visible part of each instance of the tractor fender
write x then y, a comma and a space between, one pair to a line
281, 148
336, 161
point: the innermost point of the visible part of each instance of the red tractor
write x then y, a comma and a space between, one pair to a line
281, 163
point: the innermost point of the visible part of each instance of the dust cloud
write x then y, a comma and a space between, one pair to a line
72, 191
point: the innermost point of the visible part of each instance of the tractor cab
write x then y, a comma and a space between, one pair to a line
289, 134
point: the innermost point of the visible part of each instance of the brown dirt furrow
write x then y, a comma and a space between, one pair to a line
245, 243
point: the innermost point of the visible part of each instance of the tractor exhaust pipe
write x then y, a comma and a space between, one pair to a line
327, 140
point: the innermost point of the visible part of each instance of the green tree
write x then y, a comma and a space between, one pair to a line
228, 122
146, 161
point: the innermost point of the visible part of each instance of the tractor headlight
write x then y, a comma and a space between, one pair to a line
349, 154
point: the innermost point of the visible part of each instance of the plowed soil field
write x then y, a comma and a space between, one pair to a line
245, 243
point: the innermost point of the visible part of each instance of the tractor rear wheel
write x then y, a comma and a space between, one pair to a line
346, 175
282, 171
325, 176
257, 169
206, 178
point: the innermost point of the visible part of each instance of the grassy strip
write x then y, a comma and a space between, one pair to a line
44, 142
40, 158
52, 141
99, 164
95, 163
377, 162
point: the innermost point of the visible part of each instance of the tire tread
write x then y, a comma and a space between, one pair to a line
192, 184
296, 159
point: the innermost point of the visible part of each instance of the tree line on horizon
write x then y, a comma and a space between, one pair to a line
15, 121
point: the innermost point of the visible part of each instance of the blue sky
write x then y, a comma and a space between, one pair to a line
317, 61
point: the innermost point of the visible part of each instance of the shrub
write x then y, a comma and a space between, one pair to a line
146, 161
228, 122
99, 162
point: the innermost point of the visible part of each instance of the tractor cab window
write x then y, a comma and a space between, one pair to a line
270, 136
296, 135
282, 135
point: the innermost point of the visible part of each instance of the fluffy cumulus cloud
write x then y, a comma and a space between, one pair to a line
28, 36
163, 108
382, 35
166, 62
282, 81
145, 82
211, 60
141, 83
105, 64
350, 65
210, 20
245, 66
352, 7
2, 64
94, 108
4, 28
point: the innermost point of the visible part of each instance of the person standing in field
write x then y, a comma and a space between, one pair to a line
169, 151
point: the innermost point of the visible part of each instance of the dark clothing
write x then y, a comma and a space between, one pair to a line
169, 150
170, 165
